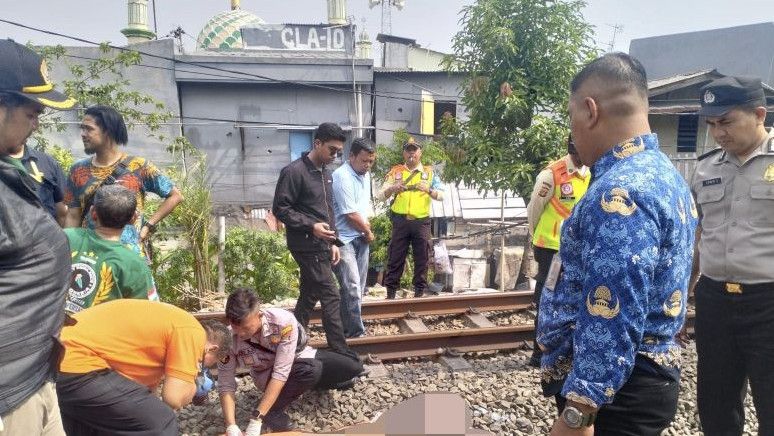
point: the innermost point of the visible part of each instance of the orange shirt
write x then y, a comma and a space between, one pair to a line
141, 340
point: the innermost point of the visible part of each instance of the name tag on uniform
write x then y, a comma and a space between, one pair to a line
710, 182
553, 273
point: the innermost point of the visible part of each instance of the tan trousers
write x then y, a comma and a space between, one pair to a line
38, 415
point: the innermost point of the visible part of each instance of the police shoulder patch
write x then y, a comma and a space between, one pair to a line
286, 331
709, 153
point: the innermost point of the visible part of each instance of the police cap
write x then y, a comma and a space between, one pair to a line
721, 95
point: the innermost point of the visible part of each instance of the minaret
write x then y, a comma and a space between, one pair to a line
234, 5
138, 31
337, 12
363, 46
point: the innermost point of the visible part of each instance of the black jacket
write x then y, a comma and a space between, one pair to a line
302, 199
34, 276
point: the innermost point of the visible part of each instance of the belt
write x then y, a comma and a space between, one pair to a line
741, 288
409, 216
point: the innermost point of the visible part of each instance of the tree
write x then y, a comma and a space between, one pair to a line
518, 57
99, 81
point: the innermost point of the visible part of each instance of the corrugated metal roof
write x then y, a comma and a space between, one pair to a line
469, 204
658, 83
410, 70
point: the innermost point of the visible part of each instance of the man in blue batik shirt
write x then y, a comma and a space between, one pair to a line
615, 298
351, 204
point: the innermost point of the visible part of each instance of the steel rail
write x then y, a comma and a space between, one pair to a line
402, 346
440, 305
438, 342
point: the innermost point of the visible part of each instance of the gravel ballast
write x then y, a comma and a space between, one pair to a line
502, 392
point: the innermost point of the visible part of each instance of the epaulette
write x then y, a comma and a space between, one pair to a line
708, 154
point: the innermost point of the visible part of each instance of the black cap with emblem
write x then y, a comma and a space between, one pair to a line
721, 95
23, 72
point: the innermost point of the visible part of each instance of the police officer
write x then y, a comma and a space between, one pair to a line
49, 178
734, 189
270, 343
557, 188
411, 186
615, 298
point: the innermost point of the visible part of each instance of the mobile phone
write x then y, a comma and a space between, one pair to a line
338, 242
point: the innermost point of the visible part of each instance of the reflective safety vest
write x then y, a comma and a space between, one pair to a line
412, 202
568, 190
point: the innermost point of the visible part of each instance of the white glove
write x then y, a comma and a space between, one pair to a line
254, 428
233, 430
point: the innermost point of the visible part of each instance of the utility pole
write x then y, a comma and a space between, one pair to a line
616, 29
387, 6
178, 35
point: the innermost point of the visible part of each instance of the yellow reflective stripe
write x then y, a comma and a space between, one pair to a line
67, 104
38, 89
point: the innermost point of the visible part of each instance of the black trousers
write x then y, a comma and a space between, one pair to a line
336, 368
644, 406
317, 284
543, 257
105, 403
735, 344
304, 375
405, 233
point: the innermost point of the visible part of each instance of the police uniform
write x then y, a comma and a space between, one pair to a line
608, 321
735, 294
48, 175
410, 212
280, 351
557, 189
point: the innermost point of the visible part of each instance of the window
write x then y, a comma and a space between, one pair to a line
299, 143
441, 108
687, 126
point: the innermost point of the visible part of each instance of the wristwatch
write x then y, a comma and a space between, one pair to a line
151, 227
258, 416
575, 418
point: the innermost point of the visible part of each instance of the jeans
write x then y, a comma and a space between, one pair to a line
735, 345
352, 272
543, 257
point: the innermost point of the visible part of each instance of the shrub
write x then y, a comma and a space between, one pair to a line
260, 260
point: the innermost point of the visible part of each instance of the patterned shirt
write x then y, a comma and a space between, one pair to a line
626, 255
136, 173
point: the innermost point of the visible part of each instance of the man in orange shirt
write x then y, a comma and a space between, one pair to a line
118, 352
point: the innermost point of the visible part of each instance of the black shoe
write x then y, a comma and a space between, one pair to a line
534, 361
391, 294
277, 421
343, 386
419, 294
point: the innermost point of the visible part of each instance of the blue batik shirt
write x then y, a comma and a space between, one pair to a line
626, 254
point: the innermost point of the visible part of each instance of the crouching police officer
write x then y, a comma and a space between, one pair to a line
270, 343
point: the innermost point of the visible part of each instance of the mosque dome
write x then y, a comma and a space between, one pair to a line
223, 31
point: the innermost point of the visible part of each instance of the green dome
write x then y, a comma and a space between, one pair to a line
223, 31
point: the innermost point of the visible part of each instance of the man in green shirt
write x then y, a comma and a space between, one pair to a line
103, 268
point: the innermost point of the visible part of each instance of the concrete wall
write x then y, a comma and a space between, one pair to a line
743, 50
393, 113
247, 174
422, 59
155, 77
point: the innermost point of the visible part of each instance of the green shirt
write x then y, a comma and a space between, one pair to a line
105, 270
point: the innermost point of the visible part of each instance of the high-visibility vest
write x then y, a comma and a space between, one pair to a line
568, 190
412, 202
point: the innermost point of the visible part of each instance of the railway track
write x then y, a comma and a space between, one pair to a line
417, 340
